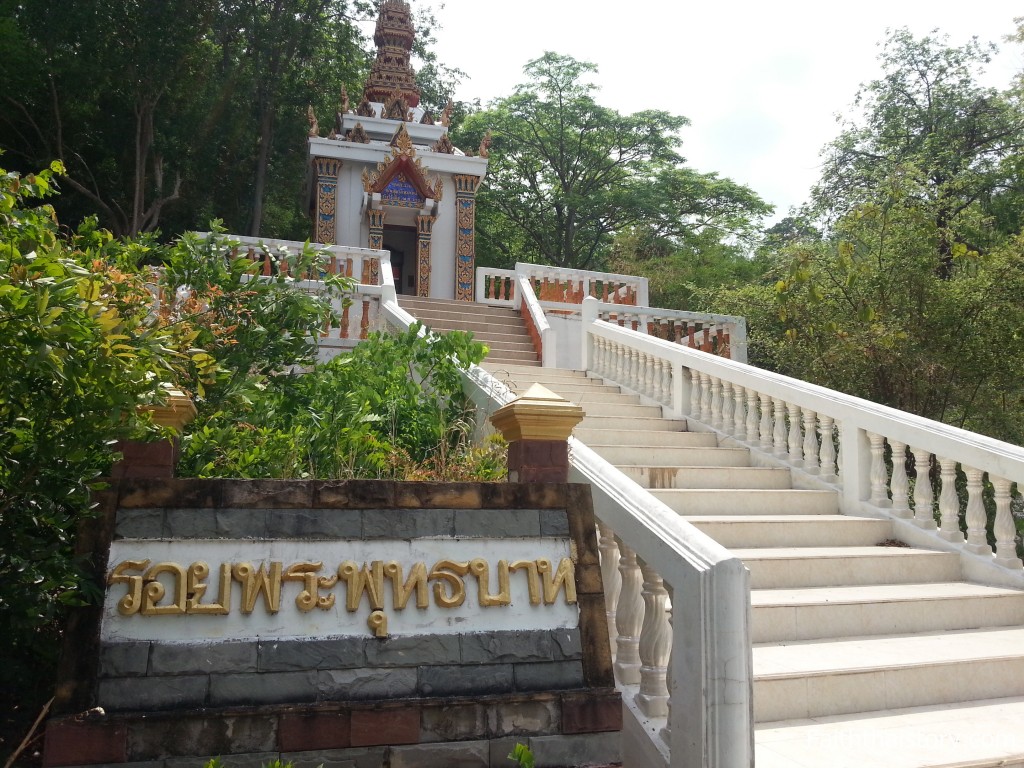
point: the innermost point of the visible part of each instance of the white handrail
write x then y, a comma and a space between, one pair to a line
525, 296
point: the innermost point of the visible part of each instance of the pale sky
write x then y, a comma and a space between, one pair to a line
761, 82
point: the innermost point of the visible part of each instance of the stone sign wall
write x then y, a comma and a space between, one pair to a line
357, 623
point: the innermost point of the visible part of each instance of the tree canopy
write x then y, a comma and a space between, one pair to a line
567, 174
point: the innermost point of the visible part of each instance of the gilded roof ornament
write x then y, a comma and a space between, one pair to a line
396, 107
358, 135
446, 116
365, 109
391, 69
427, 119
314, 126
485, 145
444, 145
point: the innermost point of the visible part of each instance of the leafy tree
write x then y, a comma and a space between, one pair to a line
566, 174
928, 121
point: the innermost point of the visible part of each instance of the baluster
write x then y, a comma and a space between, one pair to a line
649, 365
705, 398
878, 475
634, 370
795, 443
1004, 528
629, 617
752, 416
696, 398
597, 362
666, 731
779, 432
364, 322
949, 503
739, 412
899, 485
810, 442
828, 448
977, 521
716, 402
766, 422
612, 581
839, 453
728, 405
655, 645
924, 515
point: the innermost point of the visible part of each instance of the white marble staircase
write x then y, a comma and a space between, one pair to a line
500, 328
866, 652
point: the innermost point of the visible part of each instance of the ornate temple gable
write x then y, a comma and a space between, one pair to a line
397, 107
391, 70
365, 109
400, 178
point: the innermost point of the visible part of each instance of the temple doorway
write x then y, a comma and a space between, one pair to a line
401, 241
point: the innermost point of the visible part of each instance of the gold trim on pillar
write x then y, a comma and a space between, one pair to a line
465, 239
325, 227
371, 267
424, 229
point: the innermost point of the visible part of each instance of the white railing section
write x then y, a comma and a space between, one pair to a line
883, 461
559, 286
541, 332
496, 286
724, 335
344, 260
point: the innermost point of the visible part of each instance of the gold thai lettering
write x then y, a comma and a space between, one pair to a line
171, 589
154, 591
368, 579
310, 597
197, 575
402, 590
449, 572
554, 580
259, 581
533, 578
132, 601
482, 570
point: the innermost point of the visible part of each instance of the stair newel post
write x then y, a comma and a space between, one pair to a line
879, 477
949, 503
810, 441
854, 465
655, 645
629, 617
1004, 528
924, 515
765, 432
588, 316
680, 381
610, 577
827, 453
739, 413
977, 521
899, 485
779, 433
728, 405
537, 425
795, 441
705, 398
696, 393
716, 402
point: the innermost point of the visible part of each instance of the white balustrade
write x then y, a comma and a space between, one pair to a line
629, 618
899, 486
655, 645
810, 447
924, 514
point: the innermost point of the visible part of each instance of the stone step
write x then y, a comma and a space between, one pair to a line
814, 613
498, 360
699, 456
590, 396
621, 409
971, 734
791, 530
512, 355
797, 567
583, 389
746, 501
649, 440
566, 375
508, 344
476, 325
821, 678
658, 476
414, 304
642, 424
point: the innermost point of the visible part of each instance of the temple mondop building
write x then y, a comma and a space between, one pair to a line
387, 176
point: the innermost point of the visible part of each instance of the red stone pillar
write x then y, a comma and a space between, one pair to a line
154, 460
537, 426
